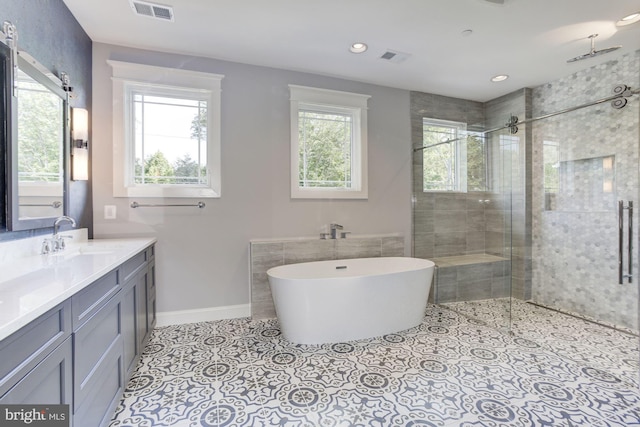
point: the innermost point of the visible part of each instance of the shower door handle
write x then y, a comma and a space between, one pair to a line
621, 275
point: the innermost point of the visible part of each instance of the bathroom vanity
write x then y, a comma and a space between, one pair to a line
73, 325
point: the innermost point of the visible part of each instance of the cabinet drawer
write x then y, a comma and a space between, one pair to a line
131, 267
48, 383
99, 336
88, 301
102, 398
24, 349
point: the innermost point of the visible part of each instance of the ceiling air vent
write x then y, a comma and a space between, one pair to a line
152, 10
395, 56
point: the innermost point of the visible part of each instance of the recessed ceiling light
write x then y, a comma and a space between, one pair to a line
629, 19
499, 78
358, 47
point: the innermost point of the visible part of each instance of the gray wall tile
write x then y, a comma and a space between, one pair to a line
308, 250
266, 248
449, 221
358, 248
392, 246
260, 264
471, 291
471, 272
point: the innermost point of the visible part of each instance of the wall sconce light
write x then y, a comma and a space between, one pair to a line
80, 144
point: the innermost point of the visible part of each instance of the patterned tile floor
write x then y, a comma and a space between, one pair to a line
452, 370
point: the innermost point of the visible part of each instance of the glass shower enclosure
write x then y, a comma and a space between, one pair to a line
463, 201
535, 216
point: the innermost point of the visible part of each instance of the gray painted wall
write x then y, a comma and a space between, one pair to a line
50, 33
203, 254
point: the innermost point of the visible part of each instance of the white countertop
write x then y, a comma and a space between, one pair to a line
32, 285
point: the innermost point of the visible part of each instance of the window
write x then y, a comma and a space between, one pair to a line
166, 132
453, 158
328, 143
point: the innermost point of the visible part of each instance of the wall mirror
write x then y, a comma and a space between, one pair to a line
37, 137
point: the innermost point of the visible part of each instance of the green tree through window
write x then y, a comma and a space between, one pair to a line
175, 130
325, 149
454, 159
40, 142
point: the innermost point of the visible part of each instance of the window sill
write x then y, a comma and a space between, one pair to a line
327, 193
166, 191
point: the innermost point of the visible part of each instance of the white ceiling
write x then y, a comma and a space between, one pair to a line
530, 40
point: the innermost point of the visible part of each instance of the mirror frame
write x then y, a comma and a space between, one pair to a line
5, 64
43, 76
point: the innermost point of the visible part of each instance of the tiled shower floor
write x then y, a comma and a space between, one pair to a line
452, 370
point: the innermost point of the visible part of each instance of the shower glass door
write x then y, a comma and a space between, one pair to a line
584, 218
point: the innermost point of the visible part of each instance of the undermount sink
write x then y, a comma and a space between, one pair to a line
86, 249
73, 251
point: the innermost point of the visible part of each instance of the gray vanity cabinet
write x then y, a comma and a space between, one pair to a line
83, 351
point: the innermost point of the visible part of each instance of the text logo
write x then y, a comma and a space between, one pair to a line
34, 415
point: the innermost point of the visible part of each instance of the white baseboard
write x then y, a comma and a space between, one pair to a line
181, 317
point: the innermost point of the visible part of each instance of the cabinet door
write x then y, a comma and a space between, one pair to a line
103, 396
50, 382
141, 310
129, 331
135, 321
26, 348
151, 296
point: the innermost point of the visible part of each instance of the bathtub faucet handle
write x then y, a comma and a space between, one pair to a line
324, 236
343, 235
334, 230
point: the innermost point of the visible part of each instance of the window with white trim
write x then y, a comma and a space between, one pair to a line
454, 159
328, 144
166, 125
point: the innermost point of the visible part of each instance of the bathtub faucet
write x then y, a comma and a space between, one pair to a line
334, 230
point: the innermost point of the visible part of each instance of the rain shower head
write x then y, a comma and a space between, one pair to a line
593, 52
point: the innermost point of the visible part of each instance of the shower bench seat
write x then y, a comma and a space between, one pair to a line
470, 277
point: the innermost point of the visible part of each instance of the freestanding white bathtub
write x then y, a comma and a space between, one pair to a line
343, 300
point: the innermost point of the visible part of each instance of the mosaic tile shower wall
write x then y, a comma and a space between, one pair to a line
575, 228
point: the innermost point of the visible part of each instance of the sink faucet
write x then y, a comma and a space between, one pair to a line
56, 243
60, 220
334, 230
